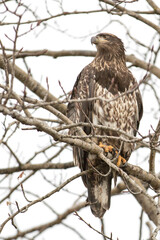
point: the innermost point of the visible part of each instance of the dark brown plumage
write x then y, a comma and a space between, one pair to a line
107, 76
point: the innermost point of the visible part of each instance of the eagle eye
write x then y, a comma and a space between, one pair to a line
104, 36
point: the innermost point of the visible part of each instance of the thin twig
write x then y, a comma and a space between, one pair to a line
88, 224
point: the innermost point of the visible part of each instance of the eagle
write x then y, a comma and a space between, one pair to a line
107, 94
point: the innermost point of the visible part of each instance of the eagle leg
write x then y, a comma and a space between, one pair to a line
106, 148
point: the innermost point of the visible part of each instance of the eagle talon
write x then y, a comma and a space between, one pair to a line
106, 148
111, 149
120, 160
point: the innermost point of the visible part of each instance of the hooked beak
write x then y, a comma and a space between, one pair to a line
94, 40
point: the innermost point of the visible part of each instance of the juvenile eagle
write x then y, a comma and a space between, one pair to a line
106, 77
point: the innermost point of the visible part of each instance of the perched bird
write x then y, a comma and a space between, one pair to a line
116, 103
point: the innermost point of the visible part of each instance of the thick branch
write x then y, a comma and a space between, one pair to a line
87, 145
154, 6
87, 53
153, 142
147, 203
32, 84
54, 54
36, 167
142, 175
144, 65
139, 192
131, 14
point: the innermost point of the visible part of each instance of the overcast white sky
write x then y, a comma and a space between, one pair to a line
66, 70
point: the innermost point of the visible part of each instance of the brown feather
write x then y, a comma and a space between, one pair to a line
107, 76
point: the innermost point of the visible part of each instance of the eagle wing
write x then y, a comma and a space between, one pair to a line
82, 111
99, 187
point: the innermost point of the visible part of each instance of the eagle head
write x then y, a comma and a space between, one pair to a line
109, 44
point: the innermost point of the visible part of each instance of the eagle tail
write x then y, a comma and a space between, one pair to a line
99, 193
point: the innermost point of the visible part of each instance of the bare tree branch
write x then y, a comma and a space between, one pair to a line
32, 84
35, 167
86, 53
26, 207
44, 227
132, 14
45, 116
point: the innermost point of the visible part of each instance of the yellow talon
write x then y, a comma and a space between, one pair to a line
120, 160
101, 145
106, 148
109, 149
